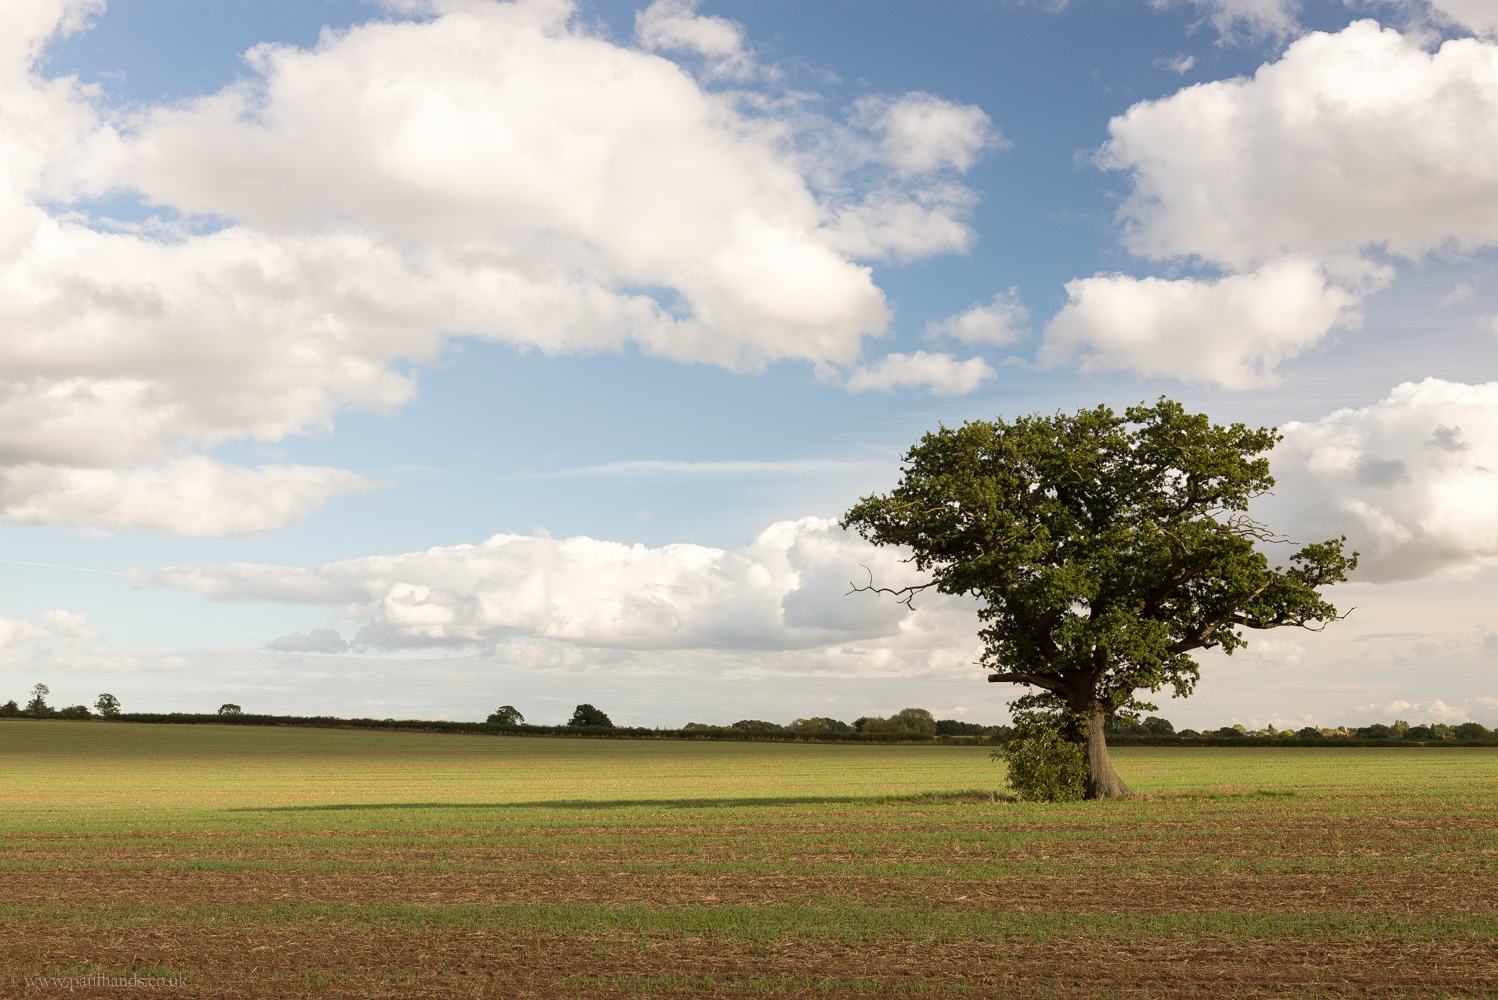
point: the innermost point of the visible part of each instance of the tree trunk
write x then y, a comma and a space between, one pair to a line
1102, 781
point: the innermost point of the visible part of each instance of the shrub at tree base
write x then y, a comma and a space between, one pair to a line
1044, 767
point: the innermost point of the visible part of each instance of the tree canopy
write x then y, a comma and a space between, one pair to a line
1102, 550
507, 715
587, 715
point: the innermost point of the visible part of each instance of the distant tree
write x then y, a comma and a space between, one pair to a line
1440, 730
73, 712
1399, 728
587, 715
907, 720
758, 726
694, 726
819, 724
1102, 550
1470, 731
108, 705
952, 727
228, 708
1188, 733
37, 706
506, 715
1156, 726
10, 710
1229, 731
1377, 731
1418, 733
1309, 733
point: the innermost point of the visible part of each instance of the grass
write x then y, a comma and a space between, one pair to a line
263, 860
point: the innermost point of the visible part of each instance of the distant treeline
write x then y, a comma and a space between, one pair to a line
907, 725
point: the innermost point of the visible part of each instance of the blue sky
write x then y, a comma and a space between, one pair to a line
290, 330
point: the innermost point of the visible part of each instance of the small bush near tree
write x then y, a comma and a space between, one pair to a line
587, 715
108, 705
506, 715
228, 708
1043, 766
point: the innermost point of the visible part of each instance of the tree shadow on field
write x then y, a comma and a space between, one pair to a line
970, 797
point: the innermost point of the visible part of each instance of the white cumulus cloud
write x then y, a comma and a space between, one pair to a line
494, 170
1295, 182
1244, 21
188, 496
787, 593
1354, 140
1000, 322
921, 133
941, 373
675, 26
1411, 480
1231, 331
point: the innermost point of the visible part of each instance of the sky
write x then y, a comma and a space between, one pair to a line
410, 359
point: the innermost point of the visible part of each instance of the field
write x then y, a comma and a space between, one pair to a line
273, 862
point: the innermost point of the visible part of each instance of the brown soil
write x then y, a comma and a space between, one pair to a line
1417, 894
266, 962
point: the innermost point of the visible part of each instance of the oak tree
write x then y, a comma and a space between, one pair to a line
1102, 551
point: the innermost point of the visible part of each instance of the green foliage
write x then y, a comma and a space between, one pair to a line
587, 715
229, 708
10, 710
1418, 733
1044, 766
108, 705
953, 727
506, 715
1377, 731
1102, 549
1470, 731
1131, 726
73, 712
907, 720
819, 724
1228, 732
1309, 733
758, 726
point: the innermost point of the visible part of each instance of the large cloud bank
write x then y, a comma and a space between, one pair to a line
492, 170
1298, 183
781, 603
1412, 480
